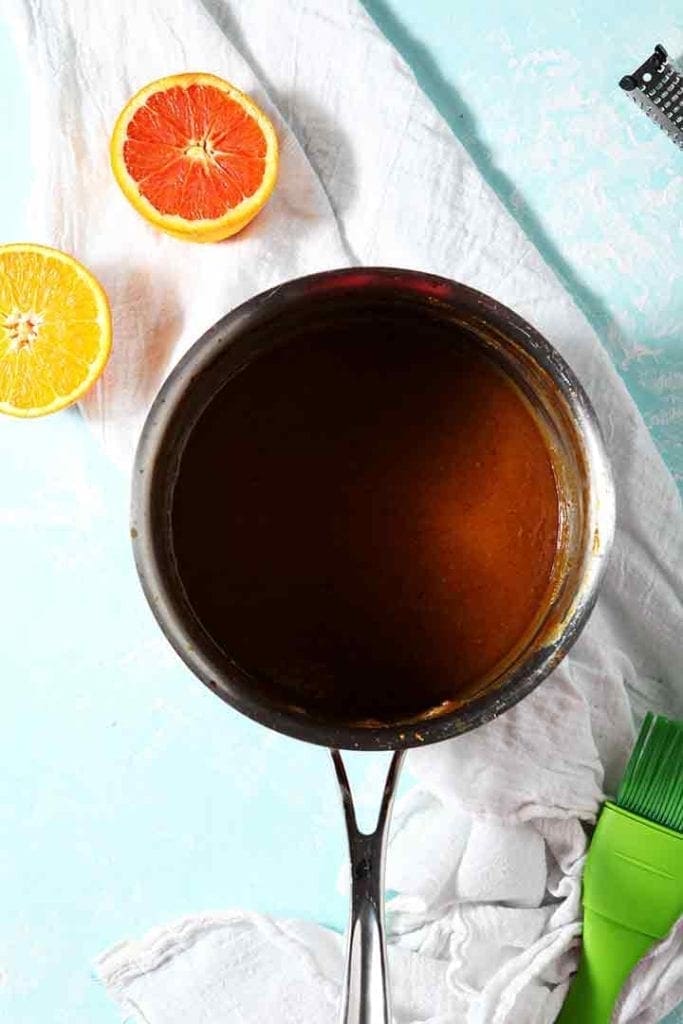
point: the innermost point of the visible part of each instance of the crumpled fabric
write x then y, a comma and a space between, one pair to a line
488, 846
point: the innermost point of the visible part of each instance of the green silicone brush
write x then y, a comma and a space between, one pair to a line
633, 879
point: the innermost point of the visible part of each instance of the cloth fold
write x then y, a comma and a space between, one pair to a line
488, 847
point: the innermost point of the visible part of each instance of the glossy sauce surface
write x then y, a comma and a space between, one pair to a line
367, 520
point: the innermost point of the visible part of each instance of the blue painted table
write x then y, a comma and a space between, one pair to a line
128, 794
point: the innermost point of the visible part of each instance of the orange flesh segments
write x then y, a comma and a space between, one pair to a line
194, 152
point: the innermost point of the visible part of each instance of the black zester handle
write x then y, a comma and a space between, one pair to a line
658, 88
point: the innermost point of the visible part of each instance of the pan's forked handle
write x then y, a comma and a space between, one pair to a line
366, 998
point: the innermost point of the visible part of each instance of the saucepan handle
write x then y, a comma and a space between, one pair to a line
366, 998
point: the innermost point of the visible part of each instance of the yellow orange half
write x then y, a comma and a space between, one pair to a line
55, 330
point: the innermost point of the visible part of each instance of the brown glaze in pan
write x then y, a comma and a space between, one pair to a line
415, 674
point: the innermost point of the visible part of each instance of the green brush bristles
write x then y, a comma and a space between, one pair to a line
652, 786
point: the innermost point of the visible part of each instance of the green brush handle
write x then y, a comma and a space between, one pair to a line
632, 896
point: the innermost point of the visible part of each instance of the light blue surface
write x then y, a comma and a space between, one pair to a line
128, 794
531, 90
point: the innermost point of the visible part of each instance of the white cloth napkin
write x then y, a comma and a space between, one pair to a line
488, 849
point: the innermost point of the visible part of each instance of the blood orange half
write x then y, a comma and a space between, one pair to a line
195, 156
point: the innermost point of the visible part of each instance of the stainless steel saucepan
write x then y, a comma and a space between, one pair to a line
587, 523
